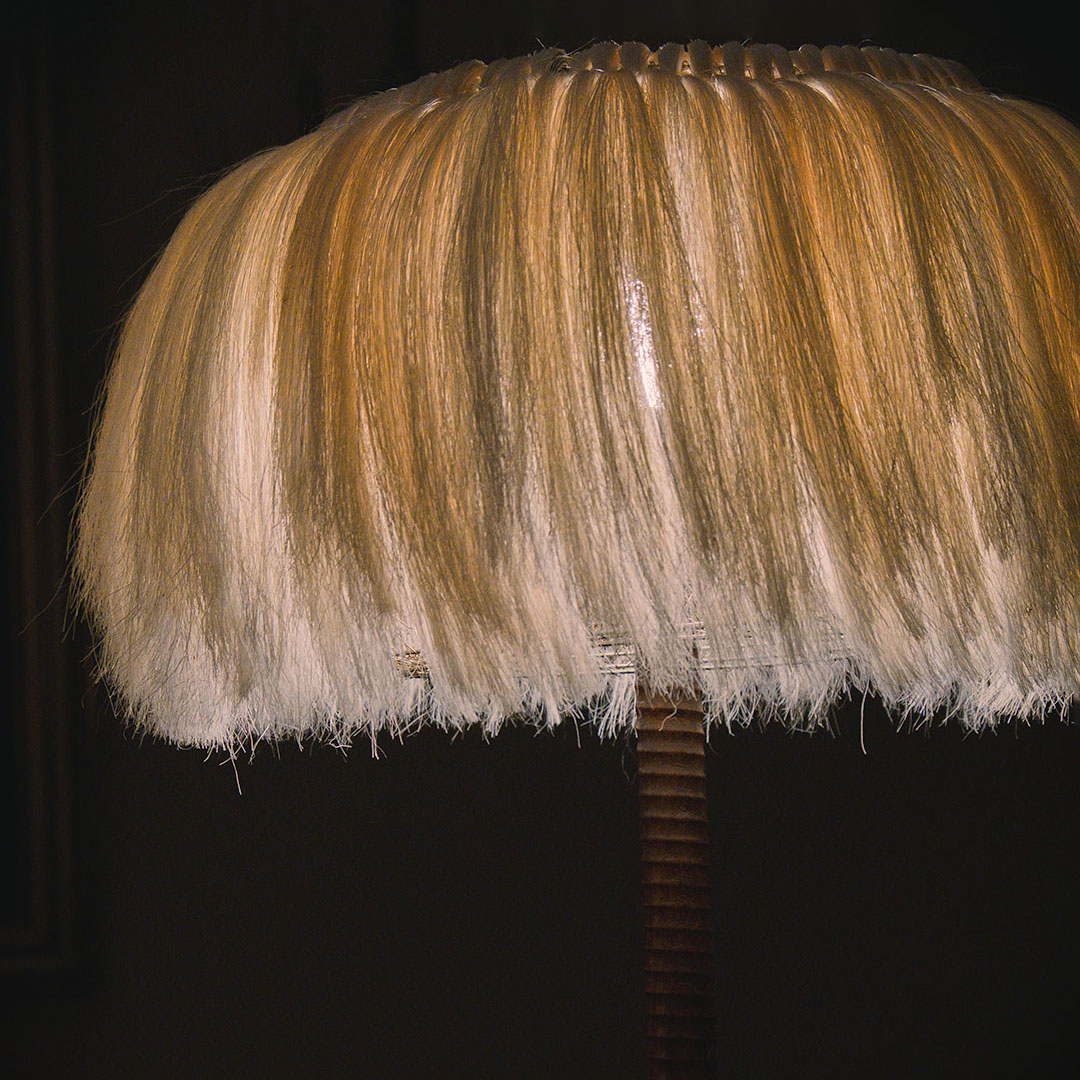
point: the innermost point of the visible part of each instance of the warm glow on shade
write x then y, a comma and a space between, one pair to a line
737, 369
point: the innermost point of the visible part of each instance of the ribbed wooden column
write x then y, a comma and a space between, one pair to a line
680, 990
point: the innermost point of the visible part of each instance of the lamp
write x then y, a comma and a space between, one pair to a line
722, 379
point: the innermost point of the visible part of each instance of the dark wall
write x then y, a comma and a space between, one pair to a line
455, 908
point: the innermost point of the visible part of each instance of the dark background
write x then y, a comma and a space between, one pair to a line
453, 908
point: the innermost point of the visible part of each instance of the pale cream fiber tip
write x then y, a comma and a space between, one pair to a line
739, 370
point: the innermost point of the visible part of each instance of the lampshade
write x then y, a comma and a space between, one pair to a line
509, 392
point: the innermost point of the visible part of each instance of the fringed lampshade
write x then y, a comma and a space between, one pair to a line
733, 377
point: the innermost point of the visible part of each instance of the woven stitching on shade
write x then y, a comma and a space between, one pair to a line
701, 60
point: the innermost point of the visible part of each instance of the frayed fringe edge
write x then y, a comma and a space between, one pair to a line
730, 701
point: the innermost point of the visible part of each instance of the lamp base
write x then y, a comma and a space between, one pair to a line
680, 987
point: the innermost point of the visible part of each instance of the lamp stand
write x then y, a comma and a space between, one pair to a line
680, 989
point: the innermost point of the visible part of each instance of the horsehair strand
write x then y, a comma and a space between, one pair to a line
733, 368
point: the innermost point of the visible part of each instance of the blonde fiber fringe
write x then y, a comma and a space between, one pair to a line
499, 394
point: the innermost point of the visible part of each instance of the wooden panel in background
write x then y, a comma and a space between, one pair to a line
36, 888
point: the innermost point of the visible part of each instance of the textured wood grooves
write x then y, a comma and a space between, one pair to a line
680, 990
